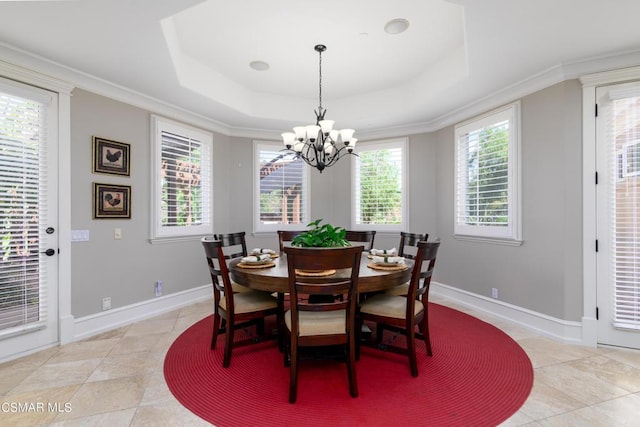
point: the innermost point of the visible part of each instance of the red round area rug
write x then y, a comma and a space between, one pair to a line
477, 376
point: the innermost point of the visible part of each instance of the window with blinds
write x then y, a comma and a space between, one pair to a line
487, 176
183, 181
379, 185
23, 287
624, 199
281, 186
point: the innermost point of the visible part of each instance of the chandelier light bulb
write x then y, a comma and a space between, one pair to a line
288, 138
312, 132
346, 135
326, 126
328, 148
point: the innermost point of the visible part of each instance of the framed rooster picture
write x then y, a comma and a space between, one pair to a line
111, 157
111, 201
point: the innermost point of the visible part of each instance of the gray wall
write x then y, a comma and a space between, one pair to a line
127, 269
544, 274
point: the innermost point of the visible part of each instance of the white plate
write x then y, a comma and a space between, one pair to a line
387, 264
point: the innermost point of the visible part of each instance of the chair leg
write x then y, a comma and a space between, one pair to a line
358, 331
260, 328
293, 374
228, 345
411, 349
379, 332
216, 330
425, 333
280, 322
351, 367
287, 349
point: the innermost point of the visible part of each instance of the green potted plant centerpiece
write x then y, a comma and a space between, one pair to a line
321, 236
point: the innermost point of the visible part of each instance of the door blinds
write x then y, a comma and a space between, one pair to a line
23, 299
623, 128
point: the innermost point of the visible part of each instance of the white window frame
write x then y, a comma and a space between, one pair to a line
258, 227
626, 161
160, 234
512, 233
402, 144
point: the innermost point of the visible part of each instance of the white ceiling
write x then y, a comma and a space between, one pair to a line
195, 54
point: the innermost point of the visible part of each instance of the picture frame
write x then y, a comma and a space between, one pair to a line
111, 157
111, 201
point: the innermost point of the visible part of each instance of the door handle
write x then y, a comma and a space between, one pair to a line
49, 252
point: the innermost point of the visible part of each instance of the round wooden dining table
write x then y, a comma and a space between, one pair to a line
276, 278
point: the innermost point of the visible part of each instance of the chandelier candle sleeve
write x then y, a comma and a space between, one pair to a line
319, 145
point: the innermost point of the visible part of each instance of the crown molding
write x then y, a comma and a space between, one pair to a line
591, 71
603, 69
34, 78
31, 64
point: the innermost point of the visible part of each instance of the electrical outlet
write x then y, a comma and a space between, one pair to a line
494, 293
106, 303
158, 288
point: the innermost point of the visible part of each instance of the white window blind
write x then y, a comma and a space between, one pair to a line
183, 202
282, 189
624, 199
23, 298
486, 176
379, 185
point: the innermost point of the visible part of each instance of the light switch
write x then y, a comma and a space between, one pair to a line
117, 233
79, 235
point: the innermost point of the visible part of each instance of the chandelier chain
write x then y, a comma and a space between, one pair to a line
320, 82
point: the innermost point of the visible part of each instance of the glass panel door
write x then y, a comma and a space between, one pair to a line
618, 198
28, 219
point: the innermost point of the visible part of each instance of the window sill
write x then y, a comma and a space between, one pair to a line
490, 240
174, 239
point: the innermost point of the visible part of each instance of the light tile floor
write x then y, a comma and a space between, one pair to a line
116, 379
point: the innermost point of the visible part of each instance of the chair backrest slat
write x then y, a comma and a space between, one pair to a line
234, 242
410, 240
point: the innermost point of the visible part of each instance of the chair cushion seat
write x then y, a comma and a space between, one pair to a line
399, 290
240, 288
388, 306
319, 322
249, 301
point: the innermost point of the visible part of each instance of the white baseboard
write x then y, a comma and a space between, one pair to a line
85, 327
562, 330
558, 329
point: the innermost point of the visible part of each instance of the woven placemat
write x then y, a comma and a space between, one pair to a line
309, 273
387, 267
265, 265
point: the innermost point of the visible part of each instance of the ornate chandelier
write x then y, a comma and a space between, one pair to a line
320, 145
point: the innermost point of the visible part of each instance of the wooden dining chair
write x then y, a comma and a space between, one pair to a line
362, 237
326, 323
286, 236
236, 309
407, 248
235, 246
401, 314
